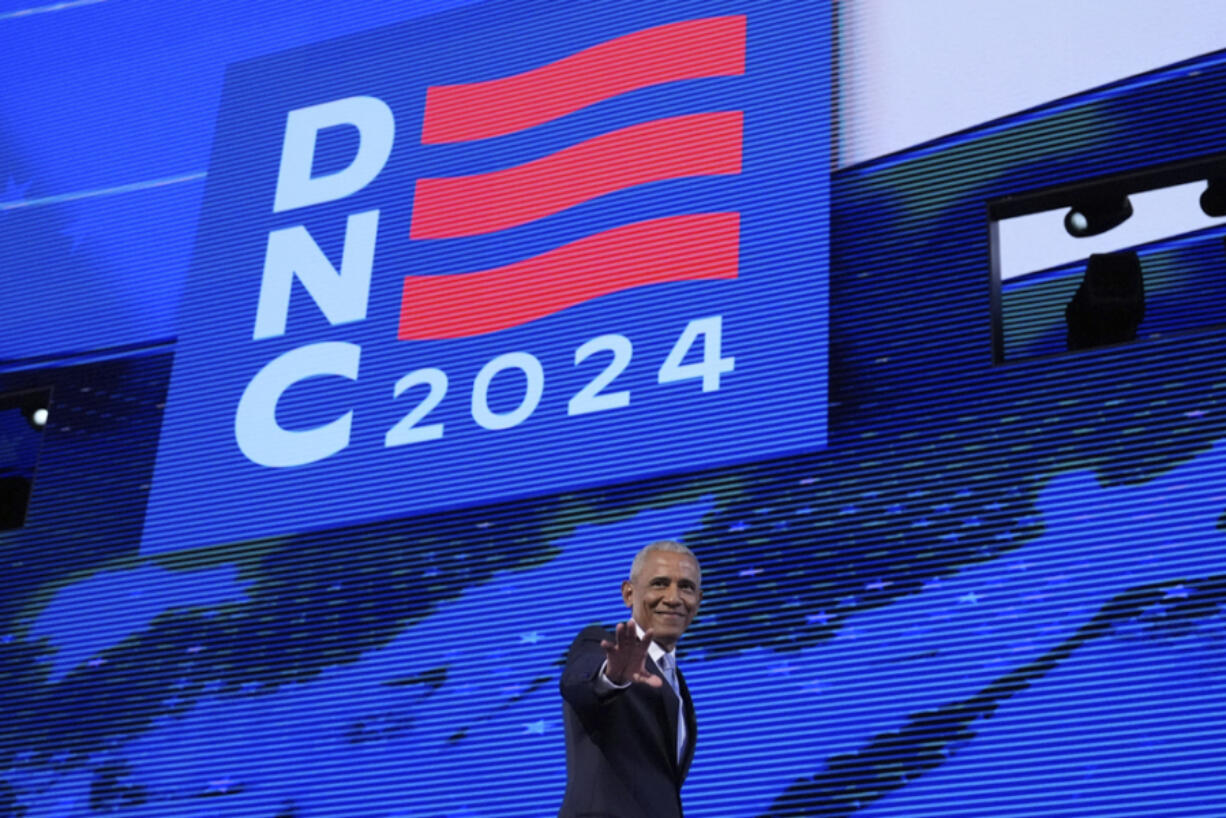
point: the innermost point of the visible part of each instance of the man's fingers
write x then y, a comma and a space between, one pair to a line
648, 679
632, 633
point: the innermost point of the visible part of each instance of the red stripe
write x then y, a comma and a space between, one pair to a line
710, 47
695, 145
676, 248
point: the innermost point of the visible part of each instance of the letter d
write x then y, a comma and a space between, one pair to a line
376, 128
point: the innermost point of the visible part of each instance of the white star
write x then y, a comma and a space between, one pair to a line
818, 618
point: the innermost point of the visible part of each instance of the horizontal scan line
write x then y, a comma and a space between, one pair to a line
706, 144
105, 191
64, 359
71, 4
692, 49
692, 247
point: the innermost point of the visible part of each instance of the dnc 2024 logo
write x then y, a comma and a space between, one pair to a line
495, 254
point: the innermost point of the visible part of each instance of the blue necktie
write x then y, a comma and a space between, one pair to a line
668, 668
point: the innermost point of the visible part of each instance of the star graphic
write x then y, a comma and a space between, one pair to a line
536, 728
1154, 610
78, 230
14, 192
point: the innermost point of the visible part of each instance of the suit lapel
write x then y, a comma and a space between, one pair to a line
691, 727
671, 709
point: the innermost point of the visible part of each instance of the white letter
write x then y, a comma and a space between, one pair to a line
524, 362
342, 297
255, 422
376, 128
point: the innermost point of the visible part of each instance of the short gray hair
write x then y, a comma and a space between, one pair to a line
662, 545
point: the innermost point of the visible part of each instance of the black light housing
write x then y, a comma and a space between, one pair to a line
23, 416
1109, 303
1097, 215
1213, 199
35, 412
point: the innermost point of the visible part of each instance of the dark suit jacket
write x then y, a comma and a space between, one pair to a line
621, 748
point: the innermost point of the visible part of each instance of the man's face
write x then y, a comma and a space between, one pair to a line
664, 596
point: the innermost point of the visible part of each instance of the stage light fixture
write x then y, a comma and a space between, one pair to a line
1109, 303
1213, 199
1097, 215
35, 412
23, 418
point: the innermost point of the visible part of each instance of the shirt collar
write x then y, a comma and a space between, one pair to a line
653, 650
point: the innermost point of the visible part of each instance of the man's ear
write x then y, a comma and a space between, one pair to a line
628, 593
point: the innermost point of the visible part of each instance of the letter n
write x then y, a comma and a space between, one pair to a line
342, 297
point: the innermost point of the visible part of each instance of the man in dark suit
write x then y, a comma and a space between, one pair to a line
630, 726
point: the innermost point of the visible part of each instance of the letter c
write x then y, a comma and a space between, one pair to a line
259, 436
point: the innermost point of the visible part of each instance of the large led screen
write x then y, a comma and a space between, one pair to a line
497, 253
